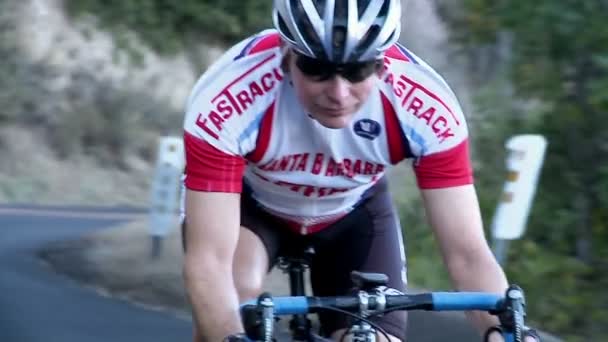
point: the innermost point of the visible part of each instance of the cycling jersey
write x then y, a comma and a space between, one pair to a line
244, 122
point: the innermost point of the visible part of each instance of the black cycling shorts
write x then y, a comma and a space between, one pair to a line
368, 239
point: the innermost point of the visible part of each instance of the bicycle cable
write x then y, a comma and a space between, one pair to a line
406, 306
394, 308
348, 313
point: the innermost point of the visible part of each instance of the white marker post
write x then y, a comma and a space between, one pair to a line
525, 158
165, 190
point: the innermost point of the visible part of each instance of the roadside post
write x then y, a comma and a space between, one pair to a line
525, 156
165, 190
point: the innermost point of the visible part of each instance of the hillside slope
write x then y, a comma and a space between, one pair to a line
80, 122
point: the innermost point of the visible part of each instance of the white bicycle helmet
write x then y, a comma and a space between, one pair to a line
339, 31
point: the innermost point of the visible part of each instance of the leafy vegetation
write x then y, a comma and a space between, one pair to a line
169, 26
554, 60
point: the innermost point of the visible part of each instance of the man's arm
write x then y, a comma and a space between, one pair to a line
455, 218
212, 234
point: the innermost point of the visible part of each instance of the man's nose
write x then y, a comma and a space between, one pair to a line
338, 89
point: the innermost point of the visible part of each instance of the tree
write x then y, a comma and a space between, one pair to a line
557, 63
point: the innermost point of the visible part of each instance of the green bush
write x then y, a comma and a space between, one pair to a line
425, 268
168, 26
15, 81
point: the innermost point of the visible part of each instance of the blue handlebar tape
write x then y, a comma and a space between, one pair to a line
442, 301
457, 301
286, 305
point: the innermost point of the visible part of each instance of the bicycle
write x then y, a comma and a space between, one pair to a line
370, 300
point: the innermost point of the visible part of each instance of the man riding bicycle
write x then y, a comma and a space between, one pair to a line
288, 136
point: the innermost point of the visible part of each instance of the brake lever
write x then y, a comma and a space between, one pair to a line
267, 305
512, 316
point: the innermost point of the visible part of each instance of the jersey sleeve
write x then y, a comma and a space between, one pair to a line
224, 112
432, 123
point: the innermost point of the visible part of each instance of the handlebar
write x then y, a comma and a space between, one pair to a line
435, 301
510, 308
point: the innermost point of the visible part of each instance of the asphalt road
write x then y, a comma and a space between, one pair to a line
37, 305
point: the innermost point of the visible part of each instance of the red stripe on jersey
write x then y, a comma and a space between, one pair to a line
396, 147
297, 228
211, 170
263, 139
266, 60
445, 169
396, 53
271, 41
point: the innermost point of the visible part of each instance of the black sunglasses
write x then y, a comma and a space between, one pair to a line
320, 70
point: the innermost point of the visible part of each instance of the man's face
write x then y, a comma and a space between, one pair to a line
325, 90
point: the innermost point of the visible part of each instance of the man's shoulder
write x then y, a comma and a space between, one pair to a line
426, 107
407, 66
235, 92
255, 54
262, 41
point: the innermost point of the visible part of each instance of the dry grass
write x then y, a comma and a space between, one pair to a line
121, 259
35, 174
118, 261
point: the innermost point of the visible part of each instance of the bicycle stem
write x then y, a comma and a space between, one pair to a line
266, 303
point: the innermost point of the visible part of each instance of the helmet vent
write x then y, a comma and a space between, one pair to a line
283, 28
306, 29
341, 31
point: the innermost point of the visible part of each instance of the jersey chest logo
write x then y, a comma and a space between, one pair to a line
368, 129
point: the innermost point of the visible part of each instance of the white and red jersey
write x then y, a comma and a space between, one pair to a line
244, 123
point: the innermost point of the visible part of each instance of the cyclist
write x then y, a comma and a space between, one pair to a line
288, 137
